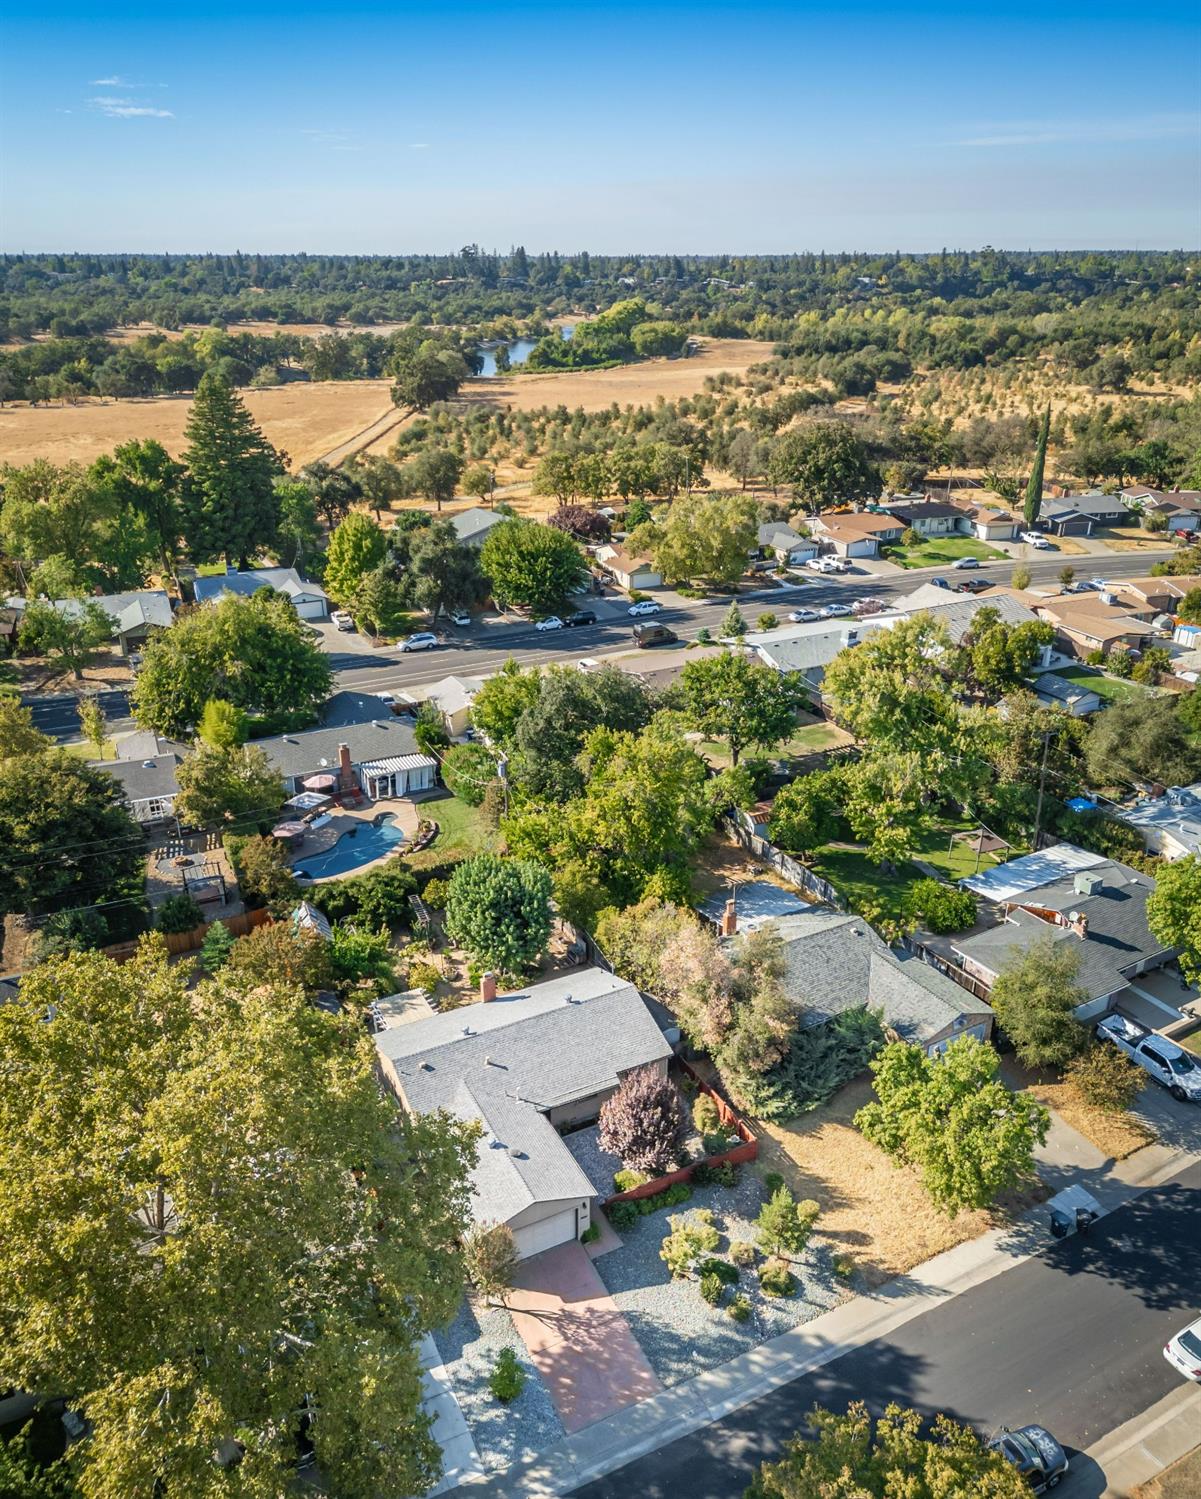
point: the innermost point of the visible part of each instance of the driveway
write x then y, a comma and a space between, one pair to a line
578, 1340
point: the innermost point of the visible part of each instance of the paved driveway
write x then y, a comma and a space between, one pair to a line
579, 1341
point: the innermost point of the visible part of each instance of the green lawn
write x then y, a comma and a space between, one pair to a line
941, 551
807, 740
459, 826
1108, 689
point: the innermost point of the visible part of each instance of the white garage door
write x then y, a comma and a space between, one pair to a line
535, 1237
310, 609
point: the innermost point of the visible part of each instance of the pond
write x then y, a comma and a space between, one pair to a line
357, 846
519, 351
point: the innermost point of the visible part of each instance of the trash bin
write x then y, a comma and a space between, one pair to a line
1061, 1224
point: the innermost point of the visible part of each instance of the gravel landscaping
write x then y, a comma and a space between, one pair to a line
599, 1165
503, 1434
680, 1333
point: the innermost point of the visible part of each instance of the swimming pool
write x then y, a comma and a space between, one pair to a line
356, 847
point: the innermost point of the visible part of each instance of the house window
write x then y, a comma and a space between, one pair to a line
159, 806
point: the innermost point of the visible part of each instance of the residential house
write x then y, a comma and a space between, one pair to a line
927, 517
472, 526
780, 541
1058, 692
1148, 598
1102, 509
135, 616
1082, 902
1061, 518
1084, 624
452, 697
149, 787
1170, 824
380, 758
1180, 508
834, 962
989, 523
309, 600
523, 1066
856, 534
627, 571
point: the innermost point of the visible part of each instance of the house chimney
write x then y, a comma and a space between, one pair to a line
345, 769
488, 987
1078, 922
729, 919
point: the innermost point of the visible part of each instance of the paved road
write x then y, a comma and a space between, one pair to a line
1071, 1339
58, 715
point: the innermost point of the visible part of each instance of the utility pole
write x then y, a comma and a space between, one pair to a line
1042, 781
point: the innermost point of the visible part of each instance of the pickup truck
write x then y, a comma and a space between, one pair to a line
1170, 1065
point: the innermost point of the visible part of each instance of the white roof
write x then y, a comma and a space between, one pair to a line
397, 762
1007, 882
1177, 813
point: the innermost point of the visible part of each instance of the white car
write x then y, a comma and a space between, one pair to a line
804, 616
1170, 1065
387, 697
1037, 540
424, 640
1183, 1351
551, 622
829, 565
461, 618
1100, 584
644, 606
342, 620
964, 562
835, 611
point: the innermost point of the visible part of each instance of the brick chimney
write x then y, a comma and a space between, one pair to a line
346, 780
1078, 922
487, 987
729, 919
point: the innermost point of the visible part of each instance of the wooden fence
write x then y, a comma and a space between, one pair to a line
739, 827
180, 942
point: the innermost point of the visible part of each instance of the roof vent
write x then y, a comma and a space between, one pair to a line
518, 1155
569, 1000
467, 1031
1087, 882
427, 1066
147, 764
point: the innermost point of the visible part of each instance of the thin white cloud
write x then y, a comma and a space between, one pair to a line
1083, 132
419, 146
113, 82
128, 109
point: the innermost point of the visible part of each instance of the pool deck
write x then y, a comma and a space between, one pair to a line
341, 821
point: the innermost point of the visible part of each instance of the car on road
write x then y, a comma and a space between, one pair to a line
342, 620
424, 640
644, 606
835, 611
551, 622
972, 585
460, 617
645, 635
1037, 540
1035, 1453
1170, 1065
940, 583
580, 617
1183, 1351
962, 563
804, 616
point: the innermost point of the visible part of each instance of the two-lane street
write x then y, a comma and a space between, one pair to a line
1071, 1339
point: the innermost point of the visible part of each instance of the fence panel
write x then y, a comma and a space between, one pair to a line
739, 828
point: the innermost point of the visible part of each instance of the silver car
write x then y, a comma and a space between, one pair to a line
424, 640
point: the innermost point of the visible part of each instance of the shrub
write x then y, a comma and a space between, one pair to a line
772, 1182
726, 1175
767, 622
1095, 658
739, 1309
1105, 1078
622, 1215
434, 894
716, 1144
179, 913
776, 1279
941, 908
821, 1058
490, 1259
686, 1244
743, 1253
626, 1179
705, 1115
844, 1266
712, 1289
590, 1234
643, 1122
424, 976
215, 949
499, 910
725, 1272
1119, 662
507, 1379
784, 1224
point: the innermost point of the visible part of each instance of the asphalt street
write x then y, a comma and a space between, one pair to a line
1071, 1339
482, 649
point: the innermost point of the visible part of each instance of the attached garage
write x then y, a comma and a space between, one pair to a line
559, 1228
310, 606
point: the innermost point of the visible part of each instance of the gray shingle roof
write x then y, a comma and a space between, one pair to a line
284, 579
140, 779
474, 524
302, 753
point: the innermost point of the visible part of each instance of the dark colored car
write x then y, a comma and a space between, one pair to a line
580, 617
972, 585
1035, 1453
654, 635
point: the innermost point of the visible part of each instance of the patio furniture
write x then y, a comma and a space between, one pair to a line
291, 833
321, 782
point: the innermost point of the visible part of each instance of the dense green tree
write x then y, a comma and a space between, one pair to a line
17, 733
334, 490
553, 728
1035, 997
426, 374
143, 482
94, 726
1102, 1077
468, 770
434, 474
252, 652
66, 839
177, 1209
443, 573
824, 464
502, 702
784, 1225
356, 548
532, 565
379, 604
221, 785
222, 726
953, 1120
939, 907
499, 910
997, 657
709, 536
69, 635
740, 700
1034, 489
298, 532
807, 812
279, 954
51, 510
230, 508
1141, 739
1174, 912
264, 874
851, 1457
891, 691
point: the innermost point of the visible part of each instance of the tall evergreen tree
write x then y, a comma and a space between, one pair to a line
1034, 490
230, 505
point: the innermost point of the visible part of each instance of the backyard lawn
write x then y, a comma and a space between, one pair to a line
941, 551
461, 830
1108, 689
808, 739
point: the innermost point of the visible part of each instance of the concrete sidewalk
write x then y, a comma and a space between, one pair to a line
1138, 1451
619, 1439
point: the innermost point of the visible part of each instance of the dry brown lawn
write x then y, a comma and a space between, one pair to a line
872, 1210
306, 420
1115, 1135
1181, 1481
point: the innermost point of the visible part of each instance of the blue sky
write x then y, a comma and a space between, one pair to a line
699, 127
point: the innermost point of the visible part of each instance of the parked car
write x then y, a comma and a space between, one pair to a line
804, 616
551, 622
829, 564
424, 640
1170, 1065
1100, 584
342, 619
1183, 1351
963, 563
868, 606
644, 606
1035, 1453
940, 583
388, 698
460, 617
645, 635
972, 585
1037, 540
835, 611
580, 617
